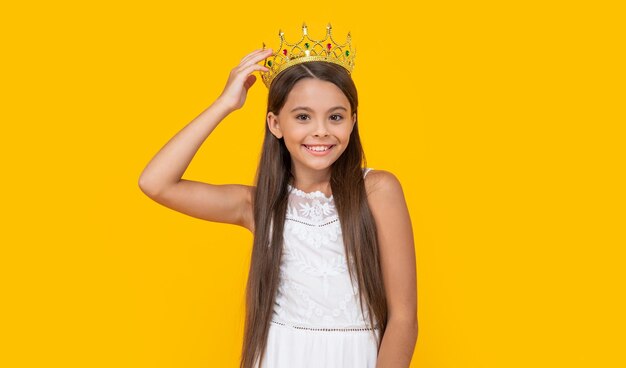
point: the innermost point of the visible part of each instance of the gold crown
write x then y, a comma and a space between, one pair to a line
307, 49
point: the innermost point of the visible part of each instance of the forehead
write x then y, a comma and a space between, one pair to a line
317, 94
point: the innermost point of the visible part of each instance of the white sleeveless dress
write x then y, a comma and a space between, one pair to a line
317, 321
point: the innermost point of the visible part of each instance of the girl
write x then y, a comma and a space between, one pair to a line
337, 287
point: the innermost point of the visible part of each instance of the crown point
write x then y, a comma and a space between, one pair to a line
335, 52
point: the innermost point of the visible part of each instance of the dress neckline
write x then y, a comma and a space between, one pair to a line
310, 195
317, 193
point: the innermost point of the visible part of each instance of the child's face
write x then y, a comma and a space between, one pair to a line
322, 124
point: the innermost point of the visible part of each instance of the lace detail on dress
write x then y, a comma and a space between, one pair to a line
299, 304
328, 267
310, 195
314, 210
315, 288
313, 221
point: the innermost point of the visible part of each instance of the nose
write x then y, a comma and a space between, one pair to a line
320, 129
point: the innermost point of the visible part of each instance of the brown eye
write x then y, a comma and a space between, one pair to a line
340, 117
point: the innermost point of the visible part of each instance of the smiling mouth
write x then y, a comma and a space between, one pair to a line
319, 148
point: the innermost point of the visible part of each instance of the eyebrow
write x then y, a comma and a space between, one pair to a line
311, 110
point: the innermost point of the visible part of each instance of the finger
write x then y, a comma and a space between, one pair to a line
255, 58
243, 73
247, 69
255, 54
243, 59
250, 69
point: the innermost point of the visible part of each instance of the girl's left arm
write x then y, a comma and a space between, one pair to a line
397, 256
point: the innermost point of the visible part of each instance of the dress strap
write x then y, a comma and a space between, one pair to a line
366, 170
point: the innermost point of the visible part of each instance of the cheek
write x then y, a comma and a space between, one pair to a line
295, 136
292, 141
344, 135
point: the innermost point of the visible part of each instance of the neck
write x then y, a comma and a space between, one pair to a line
312, 180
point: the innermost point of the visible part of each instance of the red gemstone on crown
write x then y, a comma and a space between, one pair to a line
329, 46
285, 52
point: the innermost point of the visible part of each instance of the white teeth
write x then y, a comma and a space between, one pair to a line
318, 148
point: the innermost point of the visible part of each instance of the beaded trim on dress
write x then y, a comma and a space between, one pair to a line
325, 328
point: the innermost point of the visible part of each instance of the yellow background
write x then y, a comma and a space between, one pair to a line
503, 121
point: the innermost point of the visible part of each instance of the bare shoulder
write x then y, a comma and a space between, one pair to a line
382, 183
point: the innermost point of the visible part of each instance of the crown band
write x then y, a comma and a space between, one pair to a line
308, 49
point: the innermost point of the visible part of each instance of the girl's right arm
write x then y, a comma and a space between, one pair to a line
161, 179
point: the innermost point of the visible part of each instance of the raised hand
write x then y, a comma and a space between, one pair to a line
240, 78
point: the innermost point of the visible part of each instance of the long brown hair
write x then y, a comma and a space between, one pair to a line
270, 206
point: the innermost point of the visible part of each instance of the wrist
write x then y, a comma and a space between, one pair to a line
224, 106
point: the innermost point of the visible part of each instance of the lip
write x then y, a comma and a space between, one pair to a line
315, 153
